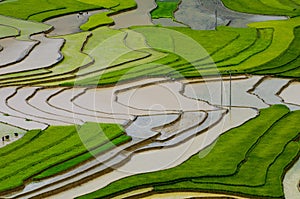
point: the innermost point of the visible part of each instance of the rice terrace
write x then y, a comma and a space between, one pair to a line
150, 99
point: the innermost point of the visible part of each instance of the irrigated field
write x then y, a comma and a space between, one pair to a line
206, 101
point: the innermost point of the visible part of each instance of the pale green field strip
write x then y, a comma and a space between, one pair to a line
26, 28
50, 147
8, 31
266, 137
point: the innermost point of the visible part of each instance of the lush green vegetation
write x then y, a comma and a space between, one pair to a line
265, 143
165, 9
270, 7
55, 146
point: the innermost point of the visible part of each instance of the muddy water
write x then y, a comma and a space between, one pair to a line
137, 17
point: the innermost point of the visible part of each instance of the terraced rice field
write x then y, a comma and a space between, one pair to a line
147, 99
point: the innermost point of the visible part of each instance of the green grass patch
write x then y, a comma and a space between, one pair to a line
165, 9
264, 143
